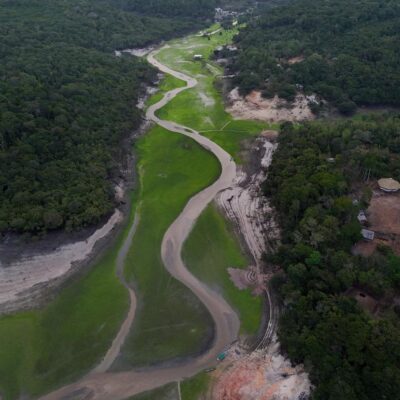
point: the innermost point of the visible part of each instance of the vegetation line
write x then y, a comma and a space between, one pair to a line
119, 340
105, 385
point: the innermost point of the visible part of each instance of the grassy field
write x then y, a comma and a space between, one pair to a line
192, 389
172, 169
206, 112
222, 251
170, 321
167, 392
167, 83
42, 349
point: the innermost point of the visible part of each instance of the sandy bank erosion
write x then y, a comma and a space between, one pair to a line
255, 107
245, 204
263, 375
28, 271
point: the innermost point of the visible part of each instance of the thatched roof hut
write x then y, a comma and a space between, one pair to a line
388, 185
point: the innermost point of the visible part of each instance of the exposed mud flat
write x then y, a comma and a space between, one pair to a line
245, 204
255, 107
262, 375
27, 271
32, 271
134, 52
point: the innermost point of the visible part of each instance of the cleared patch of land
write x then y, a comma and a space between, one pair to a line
384, 219
255, 107
384, 213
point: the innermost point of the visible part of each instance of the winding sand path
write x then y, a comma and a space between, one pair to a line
103, 385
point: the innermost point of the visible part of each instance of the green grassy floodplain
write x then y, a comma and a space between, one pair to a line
170, 321
202, 107
191, 389
167, 392
209, 251
45, 348
172, 169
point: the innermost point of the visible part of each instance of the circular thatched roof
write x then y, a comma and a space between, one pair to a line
389, 184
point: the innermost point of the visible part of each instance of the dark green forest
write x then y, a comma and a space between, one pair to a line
66, 102
312, 182
348, 52
171, 8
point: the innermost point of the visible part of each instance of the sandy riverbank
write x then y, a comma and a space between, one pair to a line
255, 107
31, 271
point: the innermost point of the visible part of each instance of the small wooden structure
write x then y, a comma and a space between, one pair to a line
368, 234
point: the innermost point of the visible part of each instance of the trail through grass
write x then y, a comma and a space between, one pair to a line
44, 348
170, 322
202, 107
167, 392
209, 251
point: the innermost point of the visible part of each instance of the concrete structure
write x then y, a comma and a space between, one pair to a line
389, 185
362, 218
367, 234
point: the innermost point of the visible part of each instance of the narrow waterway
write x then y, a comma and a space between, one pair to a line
100, 384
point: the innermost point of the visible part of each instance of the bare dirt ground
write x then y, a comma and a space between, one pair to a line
255, 107
26, 275
247, 207
384, 212
265, 375
31, 272
384, 219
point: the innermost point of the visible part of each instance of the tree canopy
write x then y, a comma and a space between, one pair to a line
348, 52
349, 354
66, 103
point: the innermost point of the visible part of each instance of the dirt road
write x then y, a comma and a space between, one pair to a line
100, 384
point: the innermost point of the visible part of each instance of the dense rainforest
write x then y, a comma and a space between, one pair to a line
317, 182
66, 102
347, 52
